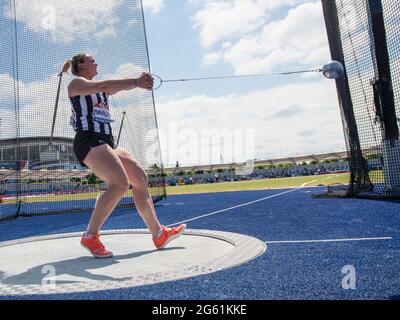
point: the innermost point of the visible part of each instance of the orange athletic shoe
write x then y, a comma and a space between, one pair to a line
95, 247
167, 235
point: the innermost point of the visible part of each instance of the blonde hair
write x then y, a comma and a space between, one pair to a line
73, 63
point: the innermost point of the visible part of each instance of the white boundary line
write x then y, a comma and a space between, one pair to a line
241, 205
328, 240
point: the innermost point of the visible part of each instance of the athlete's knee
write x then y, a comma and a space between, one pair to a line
140, 179
121, 184
145, 178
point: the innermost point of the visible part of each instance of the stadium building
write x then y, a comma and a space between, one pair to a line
36, 153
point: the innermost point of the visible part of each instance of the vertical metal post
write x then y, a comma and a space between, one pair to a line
384, 97
359, 179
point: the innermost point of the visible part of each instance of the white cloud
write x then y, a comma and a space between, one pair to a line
154, 6
126, 70
297, 40
66, 21
294, 119
36, 103
211, 58
250, 41
6, 87
221, 19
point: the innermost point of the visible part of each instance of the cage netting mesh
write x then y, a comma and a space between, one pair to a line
36, 37
364, 36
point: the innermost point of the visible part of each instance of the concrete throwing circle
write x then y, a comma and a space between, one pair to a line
58, 264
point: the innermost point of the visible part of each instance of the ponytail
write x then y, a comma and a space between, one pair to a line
66, 66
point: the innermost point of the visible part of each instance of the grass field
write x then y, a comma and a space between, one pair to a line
278, 183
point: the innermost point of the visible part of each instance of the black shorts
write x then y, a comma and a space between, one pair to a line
83, 142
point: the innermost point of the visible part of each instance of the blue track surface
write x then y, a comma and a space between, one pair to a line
285, 270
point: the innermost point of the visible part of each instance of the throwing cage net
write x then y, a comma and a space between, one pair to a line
364, 37
38, 170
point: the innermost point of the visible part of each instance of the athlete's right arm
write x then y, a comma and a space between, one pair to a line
83, 87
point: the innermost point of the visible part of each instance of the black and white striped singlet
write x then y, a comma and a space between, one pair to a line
91, 114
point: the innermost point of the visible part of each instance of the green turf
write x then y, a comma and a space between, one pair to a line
278, 183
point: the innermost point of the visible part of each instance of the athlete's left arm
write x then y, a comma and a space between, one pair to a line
112, 92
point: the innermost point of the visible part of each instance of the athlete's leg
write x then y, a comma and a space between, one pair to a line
105, 163
138, 179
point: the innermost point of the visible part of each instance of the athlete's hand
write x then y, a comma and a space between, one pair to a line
145, 81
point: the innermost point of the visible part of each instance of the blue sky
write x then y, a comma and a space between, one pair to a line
200, 122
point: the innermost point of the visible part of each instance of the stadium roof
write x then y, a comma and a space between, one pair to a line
43, 174
13, 141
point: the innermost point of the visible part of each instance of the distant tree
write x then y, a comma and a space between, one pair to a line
93, 179
374, 156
